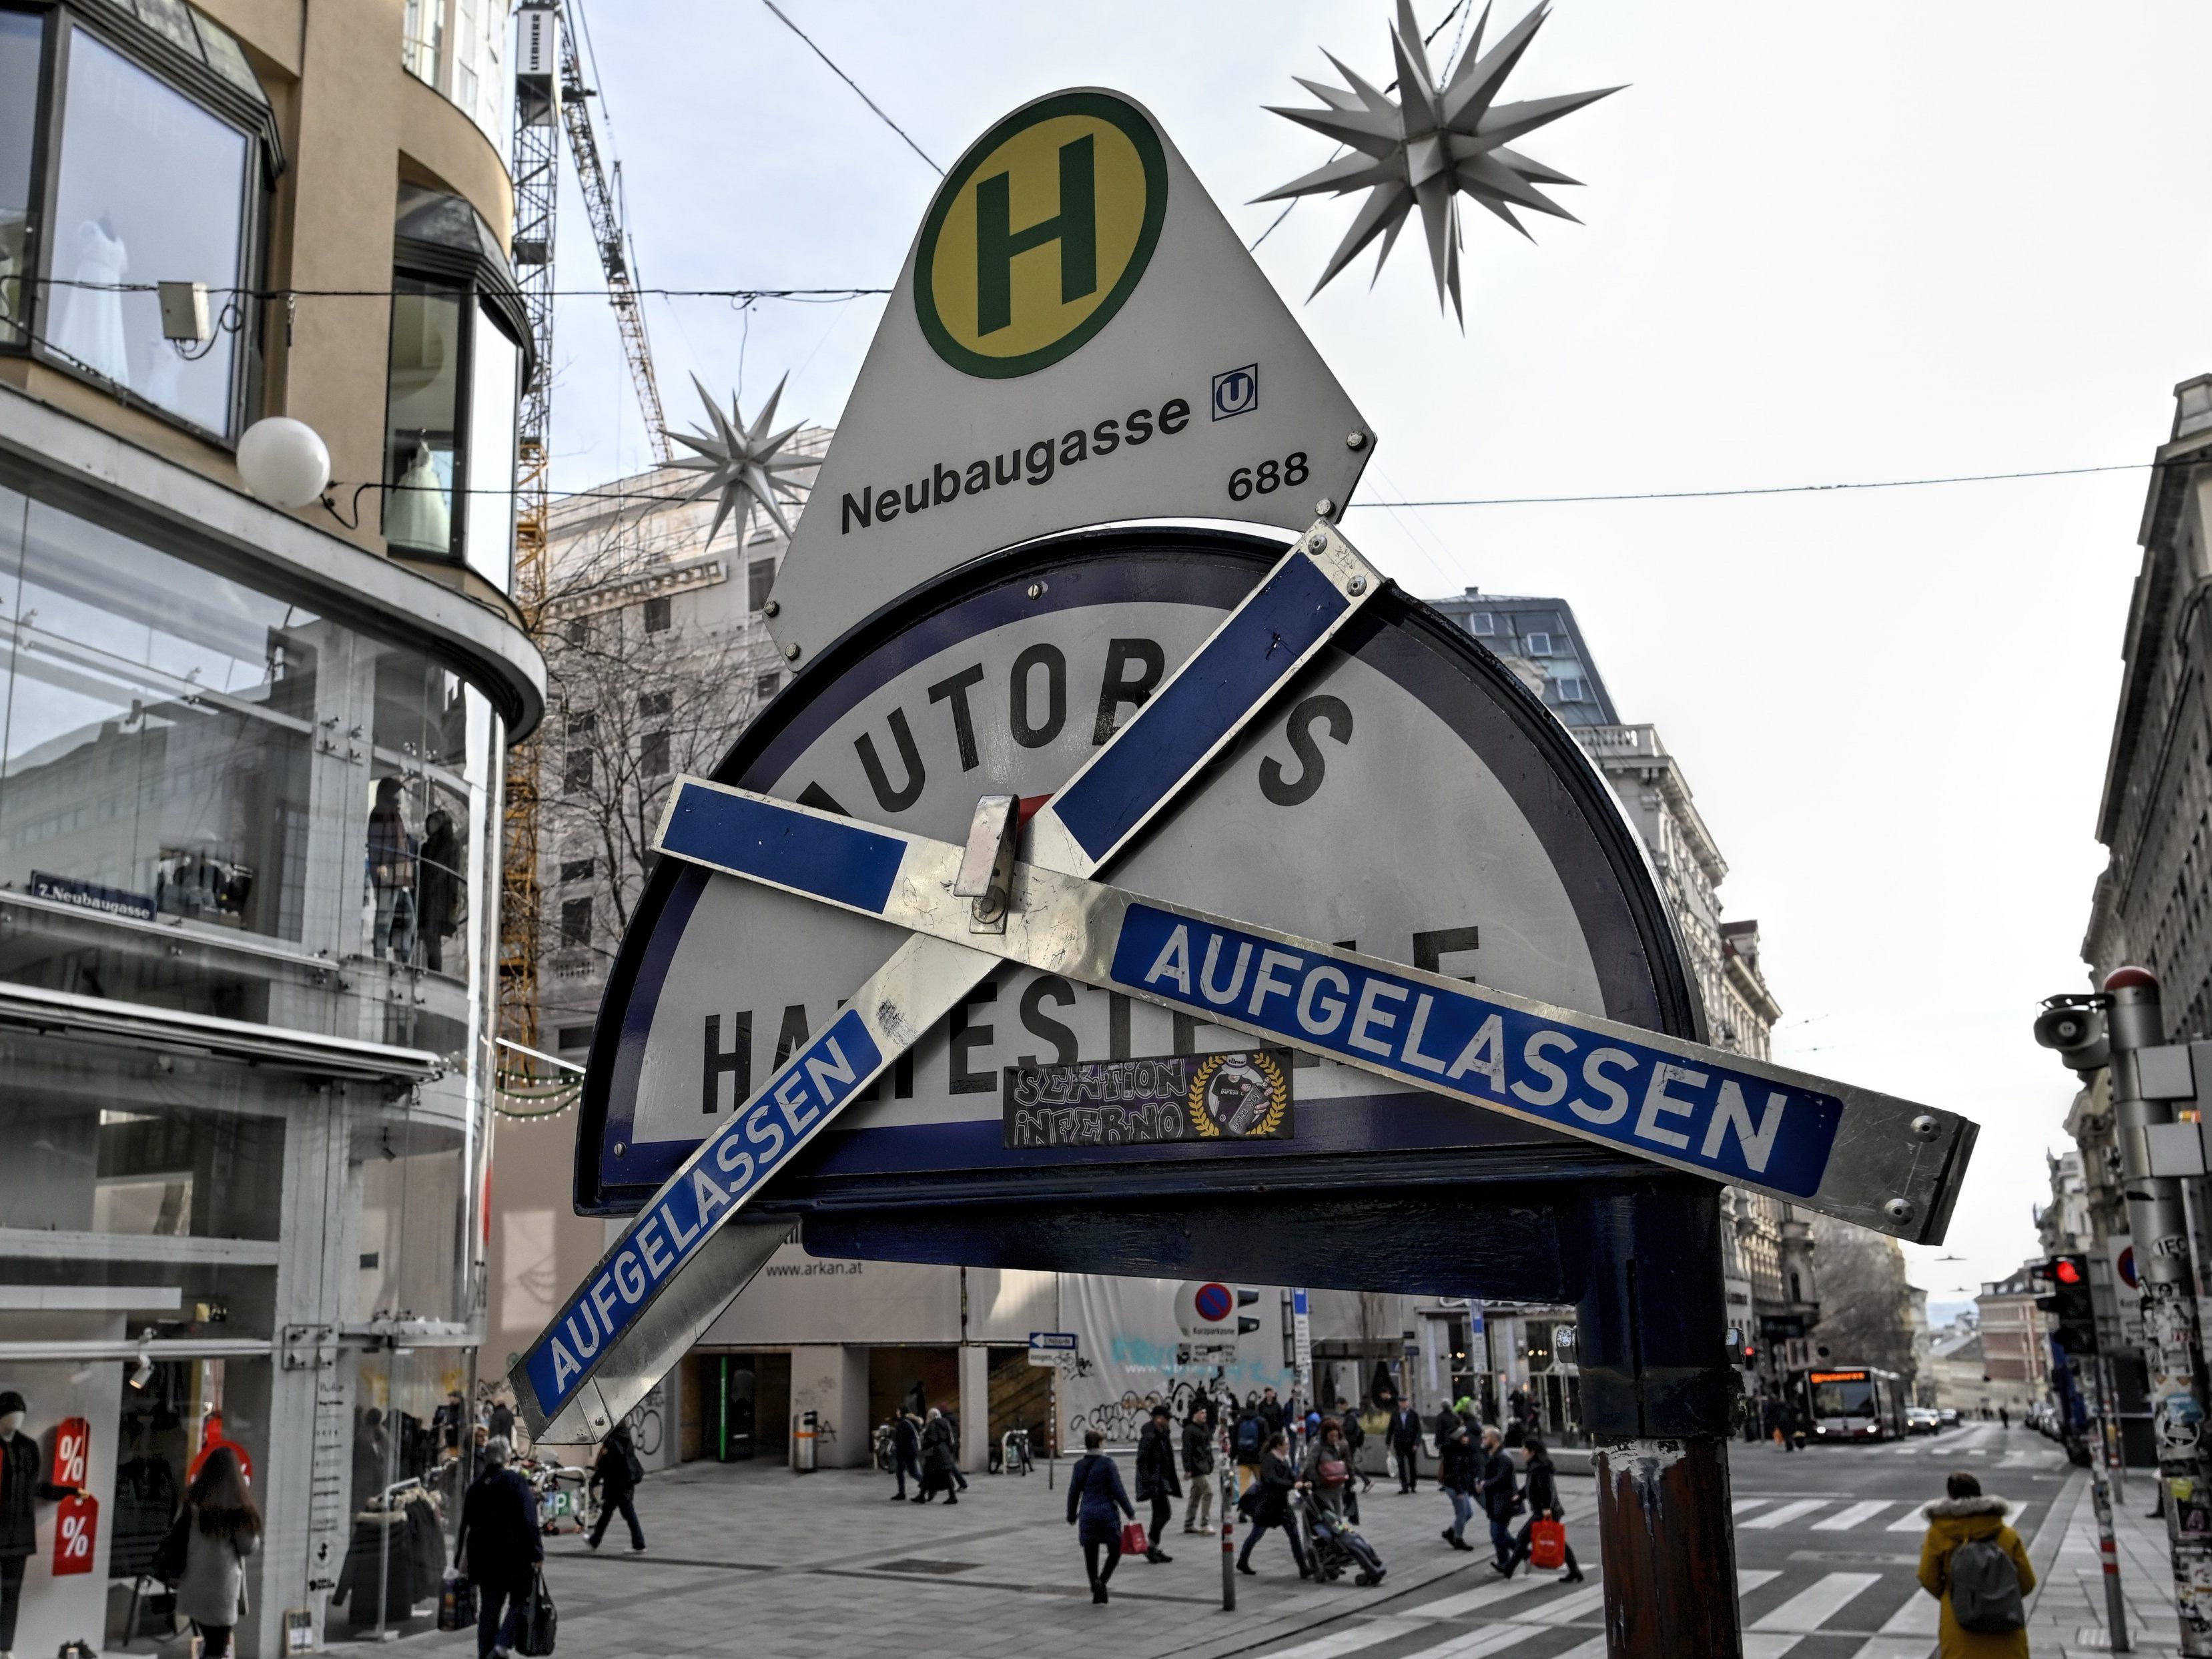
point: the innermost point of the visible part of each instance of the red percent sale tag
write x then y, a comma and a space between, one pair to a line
76, 1534
72, 1452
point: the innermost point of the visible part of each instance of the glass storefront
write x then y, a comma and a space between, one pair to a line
211, 799
214, 801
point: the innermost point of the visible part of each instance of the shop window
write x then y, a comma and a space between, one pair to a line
423, 413
456, 366
22, 36
150, 187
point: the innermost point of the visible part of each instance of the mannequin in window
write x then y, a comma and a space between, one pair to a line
392, 850
91, 331
437, 896
21, 1481
418, 516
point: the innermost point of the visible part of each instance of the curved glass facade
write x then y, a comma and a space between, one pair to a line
214, 801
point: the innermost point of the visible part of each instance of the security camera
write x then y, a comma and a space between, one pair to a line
2077, 1032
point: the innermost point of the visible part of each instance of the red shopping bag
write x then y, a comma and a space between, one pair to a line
1548, 1545
1133, 1541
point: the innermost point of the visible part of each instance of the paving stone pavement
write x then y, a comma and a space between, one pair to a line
752, 1558
2067, 1617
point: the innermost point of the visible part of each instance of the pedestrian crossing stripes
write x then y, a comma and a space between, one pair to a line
1840, 1603
1785, 1515
1844, 1519
1817, 1603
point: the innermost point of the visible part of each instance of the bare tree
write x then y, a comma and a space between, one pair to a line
641, 691
1866, 1316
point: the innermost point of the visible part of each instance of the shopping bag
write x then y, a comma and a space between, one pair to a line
457, 1602
535, 1630
1548, 1545
1133, 1540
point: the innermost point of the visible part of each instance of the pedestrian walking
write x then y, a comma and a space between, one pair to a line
1250, 1443
1449, 1422
1458, 1474
499, 1547
500, 1422
2004, 1417
615, 1472
1355, 1437
1270, 1412
952, 1428
939, 1461
1977, 1567
906, 1454
1268, 1503
1500, 1498
1542, 1491
1198, 1469
221, 1527
1097, 1500
1327, 1470
1406, 1446
1156, 1477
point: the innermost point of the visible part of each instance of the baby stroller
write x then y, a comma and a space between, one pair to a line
1333, 1545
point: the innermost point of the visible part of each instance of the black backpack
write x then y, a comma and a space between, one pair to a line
1985, 1596
1248, 1437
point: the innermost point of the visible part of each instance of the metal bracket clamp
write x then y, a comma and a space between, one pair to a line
987, 863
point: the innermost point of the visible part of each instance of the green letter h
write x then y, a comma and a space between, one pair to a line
1075, 227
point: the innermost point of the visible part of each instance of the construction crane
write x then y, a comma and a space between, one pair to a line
551, 97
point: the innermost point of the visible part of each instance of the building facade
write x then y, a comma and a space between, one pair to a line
2153, 904
1767, 1245
249, 782
2015, 1344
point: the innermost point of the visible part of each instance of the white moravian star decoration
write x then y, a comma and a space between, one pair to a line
744, 464
1437, 142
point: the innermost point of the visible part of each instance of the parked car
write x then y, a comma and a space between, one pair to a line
1922, 1419
1949, 1416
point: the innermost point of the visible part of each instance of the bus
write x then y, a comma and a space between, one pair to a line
1851, 1402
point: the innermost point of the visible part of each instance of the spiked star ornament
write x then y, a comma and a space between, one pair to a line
1434, 144
745, 465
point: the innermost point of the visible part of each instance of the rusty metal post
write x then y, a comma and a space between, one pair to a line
1658, 1400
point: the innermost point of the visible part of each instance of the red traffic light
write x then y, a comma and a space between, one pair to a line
2067, 1270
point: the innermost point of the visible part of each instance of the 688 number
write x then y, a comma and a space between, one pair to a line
1267, 478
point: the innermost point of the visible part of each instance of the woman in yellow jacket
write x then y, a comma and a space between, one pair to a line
1962, 1517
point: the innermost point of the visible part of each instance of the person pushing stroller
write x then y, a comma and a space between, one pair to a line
1319, 1509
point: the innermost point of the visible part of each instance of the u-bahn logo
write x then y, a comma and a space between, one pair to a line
1040, 233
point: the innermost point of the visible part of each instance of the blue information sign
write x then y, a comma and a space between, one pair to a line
1648, 1101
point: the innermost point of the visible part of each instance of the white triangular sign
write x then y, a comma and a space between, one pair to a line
1078, 338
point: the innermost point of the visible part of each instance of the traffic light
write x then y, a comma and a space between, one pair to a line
2067, 1277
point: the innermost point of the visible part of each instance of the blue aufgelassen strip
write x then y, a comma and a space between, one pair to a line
823, 856
739, 1156
1202, 705
1735, 1125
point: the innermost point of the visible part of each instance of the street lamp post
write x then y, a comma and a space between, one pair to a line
2172, 1342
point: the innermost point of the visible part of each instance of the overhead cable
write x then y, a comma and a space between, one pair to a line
855, 86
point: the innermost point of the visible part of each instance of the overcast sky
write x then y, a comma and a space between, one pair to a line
1820, 244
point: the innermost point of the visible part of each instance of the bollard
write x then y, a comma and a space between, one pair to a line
2116, 1611
1228, 1529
